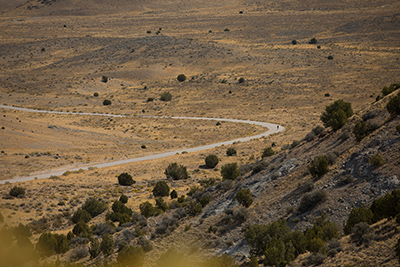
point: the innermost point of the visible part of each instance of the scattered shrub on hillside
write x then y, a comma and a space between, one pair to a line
161, 189
330, 57
313, 41
333, 247
336, 115
131, 256
119, 207
161, 205
81, 216
315, 259
193, 190
17, 191
211, 161
361, 130
230, 171
94, 206
193, 208
345, 179
181, 77
362, 233
310, 200
319, 166
50, 244
166, 96
125, 179
230, 151
393, 106
94, 249
387, 206
376, 160
204, 201
259, 166
294, 143
106, 102
226, 30
150, 99
82, 229
308, 186
244, 197
96, 94
294, 42
208, 182
267, 152
327, 94
174, 194
107, 244
176, 172
398, 128
146, 209
241, 80
344, 135
309, 137
104, 79
318, 130
388, 90
356, 216
123, 198
79, 253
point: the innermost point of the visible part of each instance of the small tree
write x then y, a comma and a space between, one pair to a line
230, 171
319, 166
361, 130
94, 206
393, 106
244, 197
94, 249
267, 152
104, 79
241, 80
211, 161
174, 194
106, 102
310, 200
376, 160
123, 198
181, 77
356, 216
313, 41
166, 96
81, 216
146, 209
161, 189
125, 179
17, 191
294, 42
107, 244
230, 151
176, 172
336, 115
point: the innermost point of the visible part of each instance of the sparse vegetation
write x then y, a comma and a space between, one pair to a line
107, 245
313, 41
336, 115
50, 244
393, 106
310, 200
125, 179
181, 77
81, 216
294, 42
319, 166
241, 80
356, 216
267, 152
106, 102
376, 160
104, 79
176, 172
94, 206
361, 130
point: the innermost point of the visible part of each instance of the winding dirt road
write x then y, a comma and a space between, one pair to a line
272, 128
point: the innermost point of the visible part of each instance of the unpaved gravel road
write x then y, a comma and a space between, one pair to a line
272, 128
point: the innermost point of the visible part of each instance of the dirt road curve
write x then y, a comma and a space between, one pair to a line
272, 128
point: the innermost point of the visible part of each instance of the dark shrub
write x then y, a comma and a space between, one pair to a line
125, 179
145, 244
81, 229
161, 205
361, 130
388, 90
309, 137
336, 115
211, 161
96, 94
17, 191
268, 152
176, 172
294, 42
310, 200
204, 201
319, 166
328, 94
345, 179
150, 99
376, 160
387, 206
315, 259
230, 171
94, 206
344, 135
193, 208
226, 30
313, 41
119, 207
106, 102
181, 77
393, 106
131, 256
146, 209
241, 80
294, 143
230, 151
308, 186
107, 244
94, 249
398, 128
318, 130
161, 189
50, 244
333, 248
244, 197
361, 234
123, 198
166, 96
330, 57
174, 194
81, 216
356, 216
104, 79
